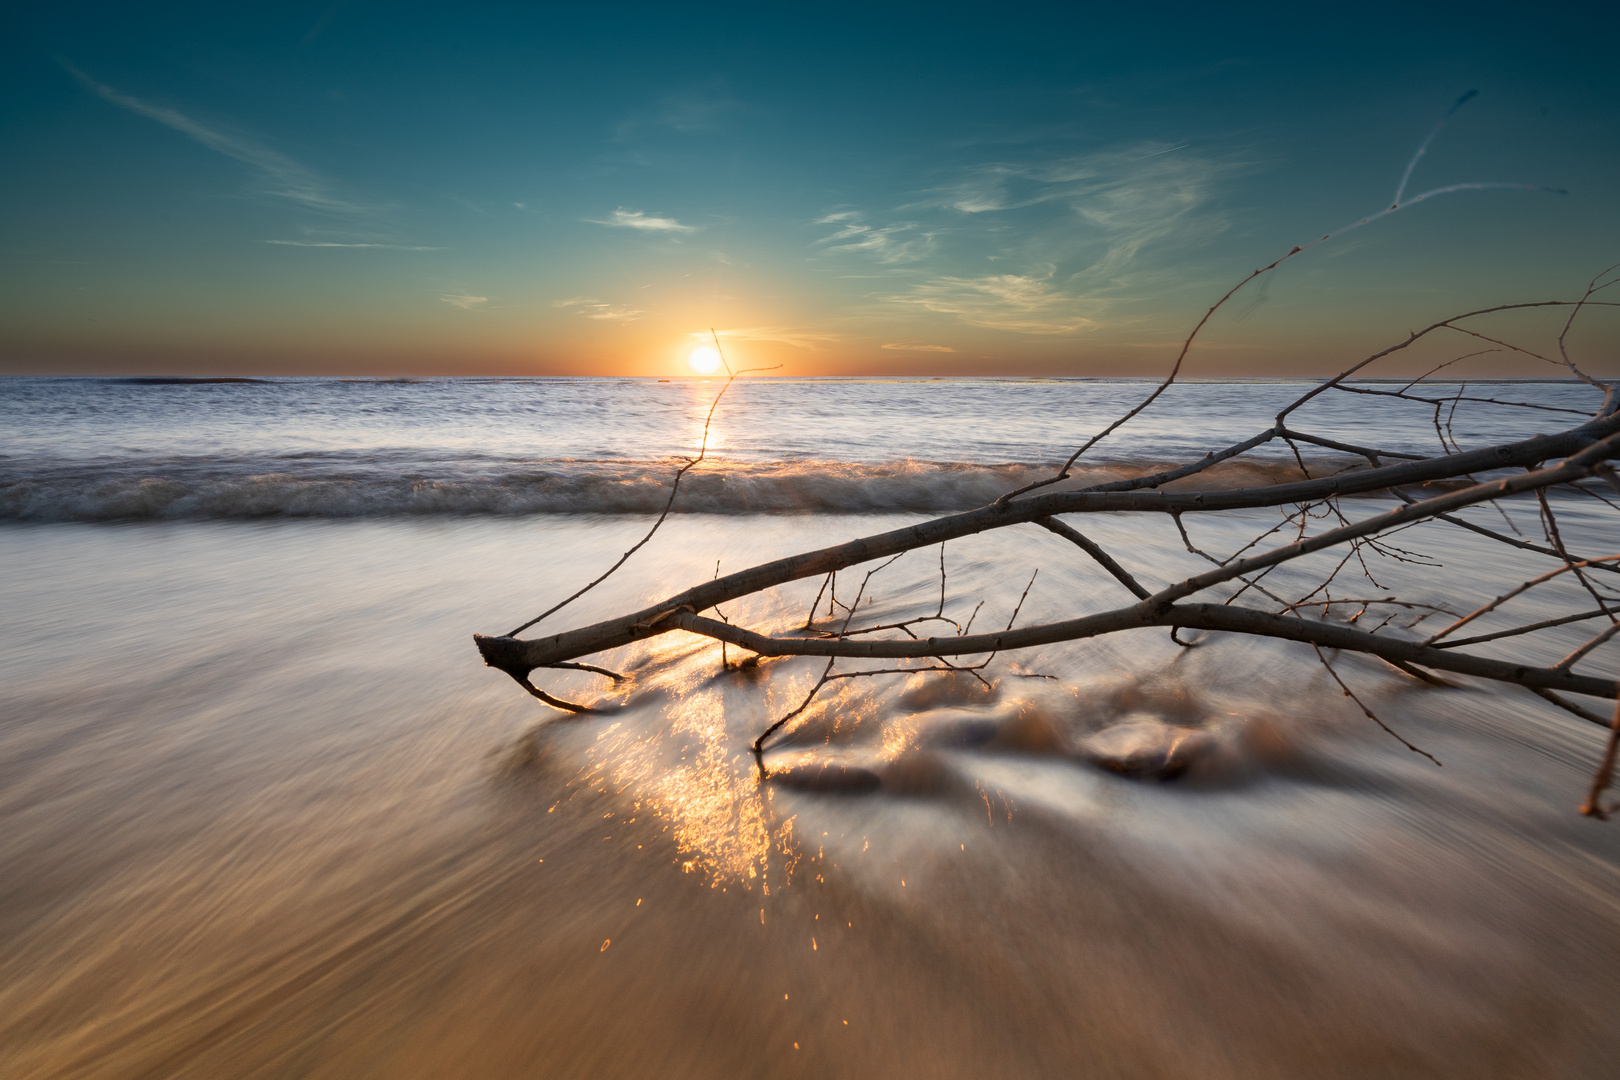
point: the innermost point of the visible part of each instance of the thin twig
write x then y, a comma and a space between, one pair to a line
1368, 712
1517, 590
1186, 345
1579, 616
674, 489
1593, 806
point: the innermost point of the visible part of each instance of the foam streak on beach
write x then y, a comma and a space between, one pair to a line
264, 814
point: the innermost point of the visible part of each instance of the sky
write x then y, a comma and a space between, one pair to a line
362, 188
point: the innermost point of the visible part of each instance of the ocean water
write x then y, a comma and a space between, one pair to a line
133, 449
263, 812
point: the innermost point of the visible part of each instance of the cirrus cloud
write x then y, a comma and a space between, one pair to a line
1023, 303
798, 337
1070, 233
592, 308
336, 244
284, 177
900, 242
638, 219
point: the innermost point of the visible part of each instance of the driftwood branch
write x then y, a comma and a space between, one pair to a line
1320, 518
1578, 453
513, 655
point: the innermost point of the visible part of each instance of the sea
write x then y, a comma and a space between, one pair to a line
265, 813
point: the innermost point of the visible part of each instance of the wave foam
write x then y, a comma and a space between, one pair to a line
131, 491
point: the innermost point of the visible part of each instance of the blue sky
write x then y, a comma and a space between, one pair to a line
365, 188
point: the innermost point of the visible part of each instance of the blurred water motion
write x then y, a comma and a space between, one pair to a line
264, 815
106, 450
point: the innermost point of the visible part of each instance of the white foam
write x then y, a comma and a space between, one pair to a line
330, 486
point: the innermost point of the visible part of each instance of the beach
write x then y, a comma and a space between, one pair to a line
264, 813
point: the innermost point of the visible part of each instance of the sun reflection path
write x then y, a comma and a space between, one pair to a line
685, 767
706, 428
716, 808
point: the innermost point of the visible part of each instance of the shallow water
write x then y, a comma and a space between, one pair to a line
264, 814
267, 816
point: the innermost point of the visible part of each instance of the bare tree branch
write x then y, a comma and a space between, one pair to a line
1316, 521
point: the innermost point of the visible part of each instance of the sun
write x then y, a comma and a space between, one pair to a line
705, 359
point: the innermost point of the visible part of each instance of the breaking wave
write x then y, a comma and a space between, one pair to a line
291, 487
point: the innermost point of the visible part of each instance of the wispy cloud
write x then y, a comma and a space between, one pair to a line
1118, 201
599, 309
900, 242
902, 347
637, 219
1166, 150
1070, 233
285, 177
1024, 303
465, 303
336, 244
786, 335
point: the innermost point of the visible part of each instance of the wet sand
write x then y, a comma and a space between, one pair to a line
264, 815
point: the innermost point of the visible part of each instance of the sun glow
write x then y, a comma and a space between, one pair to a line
705, 359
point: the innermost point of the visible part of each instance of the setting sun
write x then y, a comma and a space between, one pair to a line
705, 359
